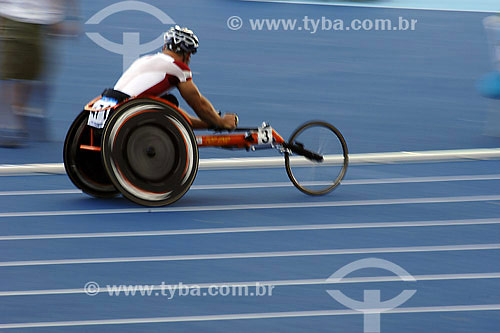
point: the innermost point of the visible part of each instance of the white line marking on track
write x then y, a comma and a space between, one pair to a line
302, 282
433, 179
345, 203
365, 5
306, 227
278, 162
263, 315
39, 192
438, 248
348, 182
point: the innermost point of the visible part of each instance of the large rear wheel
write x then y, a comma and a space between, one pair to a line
150, 152
84, 167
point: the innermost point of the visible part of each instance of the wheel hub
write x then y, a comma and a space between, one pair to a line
151, 153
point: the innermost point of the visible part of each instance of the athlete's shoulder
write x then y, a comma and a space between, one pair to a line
175, 68
186, 72
182, 65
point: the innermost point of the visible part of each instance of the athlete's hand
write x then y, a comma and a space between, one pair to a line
229, 121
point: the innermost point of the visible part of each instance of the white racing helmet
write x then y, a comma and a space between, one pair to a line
181, 40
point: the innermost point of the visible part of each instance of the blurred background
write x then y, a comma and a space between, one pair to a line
386, 90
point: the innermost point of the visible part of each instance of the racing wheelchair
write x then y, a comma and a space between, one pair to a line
145, 149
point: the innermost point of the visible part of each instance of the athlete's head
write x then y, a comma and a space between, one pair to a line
181, 41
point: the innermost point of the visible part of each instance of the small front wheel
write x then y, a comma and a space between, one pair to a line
316, 158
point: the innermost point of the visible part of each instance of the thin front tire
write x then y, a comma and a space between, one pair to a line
328, 158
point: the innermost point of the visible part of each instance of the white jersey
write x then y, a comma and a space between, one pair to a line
153, 75
33, 11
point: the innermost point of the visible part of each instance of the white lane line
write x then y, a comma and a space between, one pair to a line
406, 180
284, 283
344, 203
278, 162
262, 315
39, 192
365, 5
305, 227
411, 249
433, 179
35, 169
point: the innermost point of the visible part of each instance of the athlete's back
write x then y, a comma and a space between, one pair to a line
153, 75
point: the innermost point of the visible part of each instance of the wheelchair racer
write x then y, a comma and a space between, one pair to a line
157, 74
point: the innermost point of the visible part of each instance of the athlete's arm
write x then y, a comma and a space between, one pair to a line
204, 109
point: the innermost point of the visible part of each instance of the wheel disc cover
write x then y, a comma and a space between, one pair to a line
151, 153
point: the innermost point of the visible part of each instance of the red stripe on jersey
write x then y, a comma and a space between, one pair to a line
169, 82
182, 65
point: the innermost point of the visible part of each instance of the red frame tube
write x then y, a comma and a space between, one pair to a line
233, 140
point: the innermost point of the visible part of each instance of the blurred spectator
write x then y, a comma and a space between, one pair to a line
489, 85
492, 26
24, 29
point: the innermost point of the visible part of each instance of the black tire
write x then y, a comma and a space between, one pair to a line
311, 176
150, 152
83, 167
